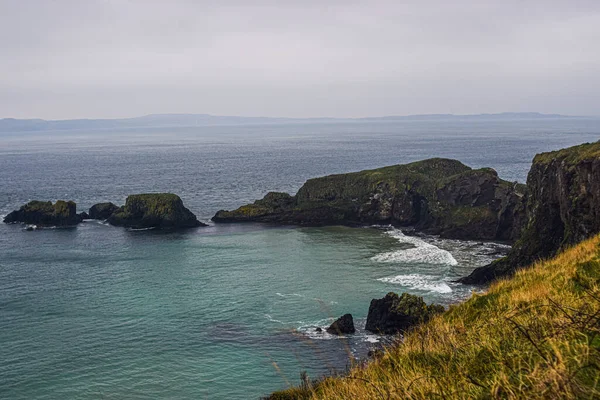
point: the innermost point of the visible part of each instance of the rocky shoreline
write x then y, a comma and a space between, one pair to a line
558, 207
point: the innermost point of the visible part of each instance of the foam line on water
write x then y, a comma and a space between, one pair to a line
419, 282
422, 252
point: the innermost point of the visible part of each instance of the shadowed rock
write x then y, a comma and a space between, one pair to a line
342, 325
102, 211
44, 213
393, 313
562, 209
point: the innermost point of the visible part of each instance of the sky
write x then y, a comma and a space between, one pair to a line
62, 59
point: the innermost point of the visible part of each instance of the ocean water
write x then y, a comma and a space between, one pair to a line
226, 311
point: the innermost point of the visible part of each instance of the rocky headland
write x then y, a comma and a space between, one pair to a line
436, 196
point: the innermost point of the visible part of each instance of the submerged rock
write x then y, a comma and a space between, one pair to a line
342, 325
154, 210
562, 209
438, 196
83, 215
44, 213
102, 211
393, 313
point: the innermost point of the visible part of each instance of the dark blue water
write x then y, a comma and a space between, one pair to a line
224, 311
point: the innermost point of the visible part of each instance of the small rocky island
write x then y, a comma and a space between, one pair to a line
151, 210
436, 196
44, 213
156, 210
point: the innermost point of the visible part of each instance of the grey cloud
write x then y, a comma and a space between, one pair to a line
67, 59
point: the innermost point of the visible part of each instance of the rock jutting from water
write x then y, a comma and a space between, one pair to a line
436, 196
44, 214
154, 210
102, 211
394, 314
342, 325
151, 210
562, 209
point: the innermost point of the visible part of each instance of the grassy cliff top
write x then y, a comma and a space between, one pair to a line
534, 336
571, 155
154, 197
434, 168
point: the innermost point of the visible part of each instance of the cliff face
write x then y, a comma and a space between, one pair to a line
562, 209
438, 196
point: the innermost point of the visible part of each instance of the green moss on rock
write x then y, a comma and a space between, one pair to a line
562, 209
394, 313
154, 210
435, 195
44, 213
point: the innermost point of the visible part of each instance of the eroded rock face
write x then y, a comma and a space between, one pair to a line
44, 213
393, 314
438, 196
102, 211
342, 325
154, 210
562, 209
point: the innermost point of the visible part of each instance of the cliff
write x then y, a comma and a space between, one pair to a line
438, 196
562, 209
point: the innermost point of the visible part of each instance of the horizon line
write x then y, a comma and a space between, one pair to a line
504, 113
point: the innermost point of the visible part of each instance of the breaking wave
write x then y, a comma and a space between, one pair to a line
422, 252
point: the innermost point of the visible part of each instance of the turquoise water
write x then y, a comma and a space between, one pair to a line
226, 311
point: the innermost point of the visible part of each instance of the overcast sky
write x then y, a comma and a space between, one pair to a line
297, 58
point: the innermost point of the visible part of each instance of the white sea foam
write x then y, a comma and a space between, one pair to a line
422, 252
419, 282
289, 295
267, 316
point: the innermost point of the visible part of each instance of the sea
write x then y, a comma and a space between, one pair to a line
225, 311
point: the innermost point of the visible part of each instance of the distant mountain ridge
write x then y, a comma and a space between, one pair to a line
192, 120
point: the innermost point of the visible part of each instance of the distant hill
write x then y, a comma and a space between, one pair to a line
191, 120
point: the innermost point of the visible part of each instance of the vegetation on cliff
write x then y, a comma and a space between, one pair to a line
534, 336
562, 209
439, 196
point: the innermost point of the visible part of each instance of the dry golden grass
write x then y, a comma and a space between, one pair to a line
534, 336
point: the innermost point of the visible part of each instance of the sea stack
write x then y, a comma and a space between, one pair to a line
393, 314
44, 213
154, 210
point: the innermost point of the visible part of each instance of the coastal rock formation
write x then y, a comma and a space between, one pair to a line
44, 213
393, 313
83, 215
562, 209
102, 211
438, 196
342, 325
154, 210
